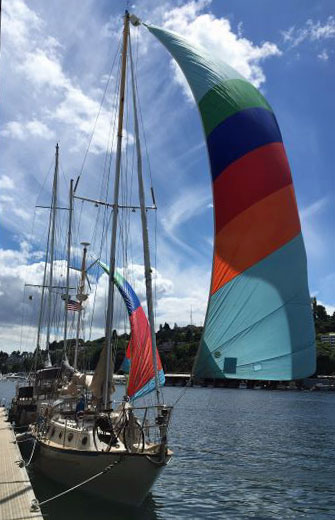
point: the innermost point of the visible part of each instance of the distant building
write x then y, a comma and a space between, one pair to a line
328, 339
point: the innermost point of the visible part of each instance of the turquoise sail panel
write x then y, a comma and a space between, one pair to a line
261, 335
259, 321
201, 71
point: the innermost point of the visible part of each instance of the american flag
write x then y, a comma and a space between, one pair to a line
73, 305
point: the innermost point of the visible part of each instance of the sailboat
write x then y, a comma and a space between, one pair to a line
258, 323
41, 384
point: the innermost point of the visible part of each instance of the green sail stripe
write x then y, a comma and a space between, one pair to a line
227, 98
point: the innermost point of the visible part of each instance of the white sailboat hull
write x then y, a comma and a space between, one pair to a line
128, 482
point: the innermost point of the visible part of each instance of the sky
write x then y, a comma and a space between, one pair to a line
54, 67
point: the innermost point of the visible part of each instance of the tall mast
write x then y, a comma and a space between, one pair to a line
110, 305
40, 314
81, 297
145, 235
69, 233
52, 247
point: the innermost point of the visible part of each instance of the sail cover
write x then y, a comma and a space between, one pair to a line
259, 321
138, 359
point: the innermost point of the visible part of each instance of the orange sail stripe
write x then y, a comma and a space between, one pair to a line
253, 234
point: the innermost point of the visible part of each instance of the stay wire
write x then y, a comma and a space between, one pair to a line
98, 114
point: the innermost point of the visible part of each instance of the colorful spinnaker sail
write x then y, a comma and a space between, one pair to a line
259, 321
138, 359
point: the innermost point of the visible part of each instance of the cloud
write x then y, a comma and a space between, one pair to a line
38, 59
6, 183
208, 31
22, 131
186, 206
313, 31
329, 308
314, 208
323, 56
314, 241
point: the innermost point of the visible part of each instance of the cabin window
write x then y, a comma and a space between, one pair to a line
70, 437
60, 435
84, 440
53, 432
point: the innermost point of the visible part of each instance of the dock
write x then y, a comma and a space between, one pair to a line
16, 492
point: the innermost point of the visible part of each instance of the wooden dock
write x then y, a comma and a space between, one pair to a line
16, 492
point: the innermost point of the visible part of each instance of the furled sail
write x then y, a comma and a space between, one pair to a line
138, 360
259, 322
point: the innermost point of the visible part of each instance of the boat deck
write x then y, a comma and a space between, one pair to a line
16, 492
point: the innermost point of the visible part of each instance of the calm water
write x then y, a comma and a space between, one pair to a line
272, 457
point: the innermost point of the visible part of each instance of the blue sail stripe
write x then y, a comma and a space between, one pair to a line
149, 386
129, 296
239, 134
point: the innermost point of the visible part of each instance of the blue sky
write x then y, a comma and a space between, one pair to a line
53, 73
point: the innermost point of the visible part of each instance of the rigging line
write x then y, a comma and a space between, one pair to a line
149, 167
111, 139
142, 127
45, 180
106, 172
98, 115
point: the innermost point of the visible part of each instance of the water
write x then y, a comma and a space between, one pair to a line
270, 455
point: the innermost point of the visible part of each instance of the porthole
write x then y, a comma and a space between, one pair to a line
53, 432
84, 440
60, 435
70, 437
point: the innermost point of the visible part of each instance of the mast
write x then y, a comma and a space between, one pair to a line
52, 247
145, 235
81, 297
40, 314
110, 305
69, 232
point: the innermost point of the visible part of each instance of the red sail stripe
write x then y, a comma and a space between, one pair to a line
140, 347
248, 180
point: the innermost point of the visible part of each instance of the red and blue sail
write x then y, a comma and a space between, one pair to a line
138, 361
259, 322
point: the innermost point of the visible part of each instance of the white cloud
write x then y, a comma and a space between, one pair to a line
329, 308
314, 241
19, 22
323, 56
6, 183
314, 208
216, 34
39, 60
22, 131
312, 31
185, 207
44, 71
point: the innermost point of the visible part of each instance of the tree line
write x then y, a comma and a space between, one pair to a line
177, 347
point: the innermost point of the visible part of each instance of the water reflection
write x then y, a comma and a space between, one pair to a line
265, 455
80, 505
